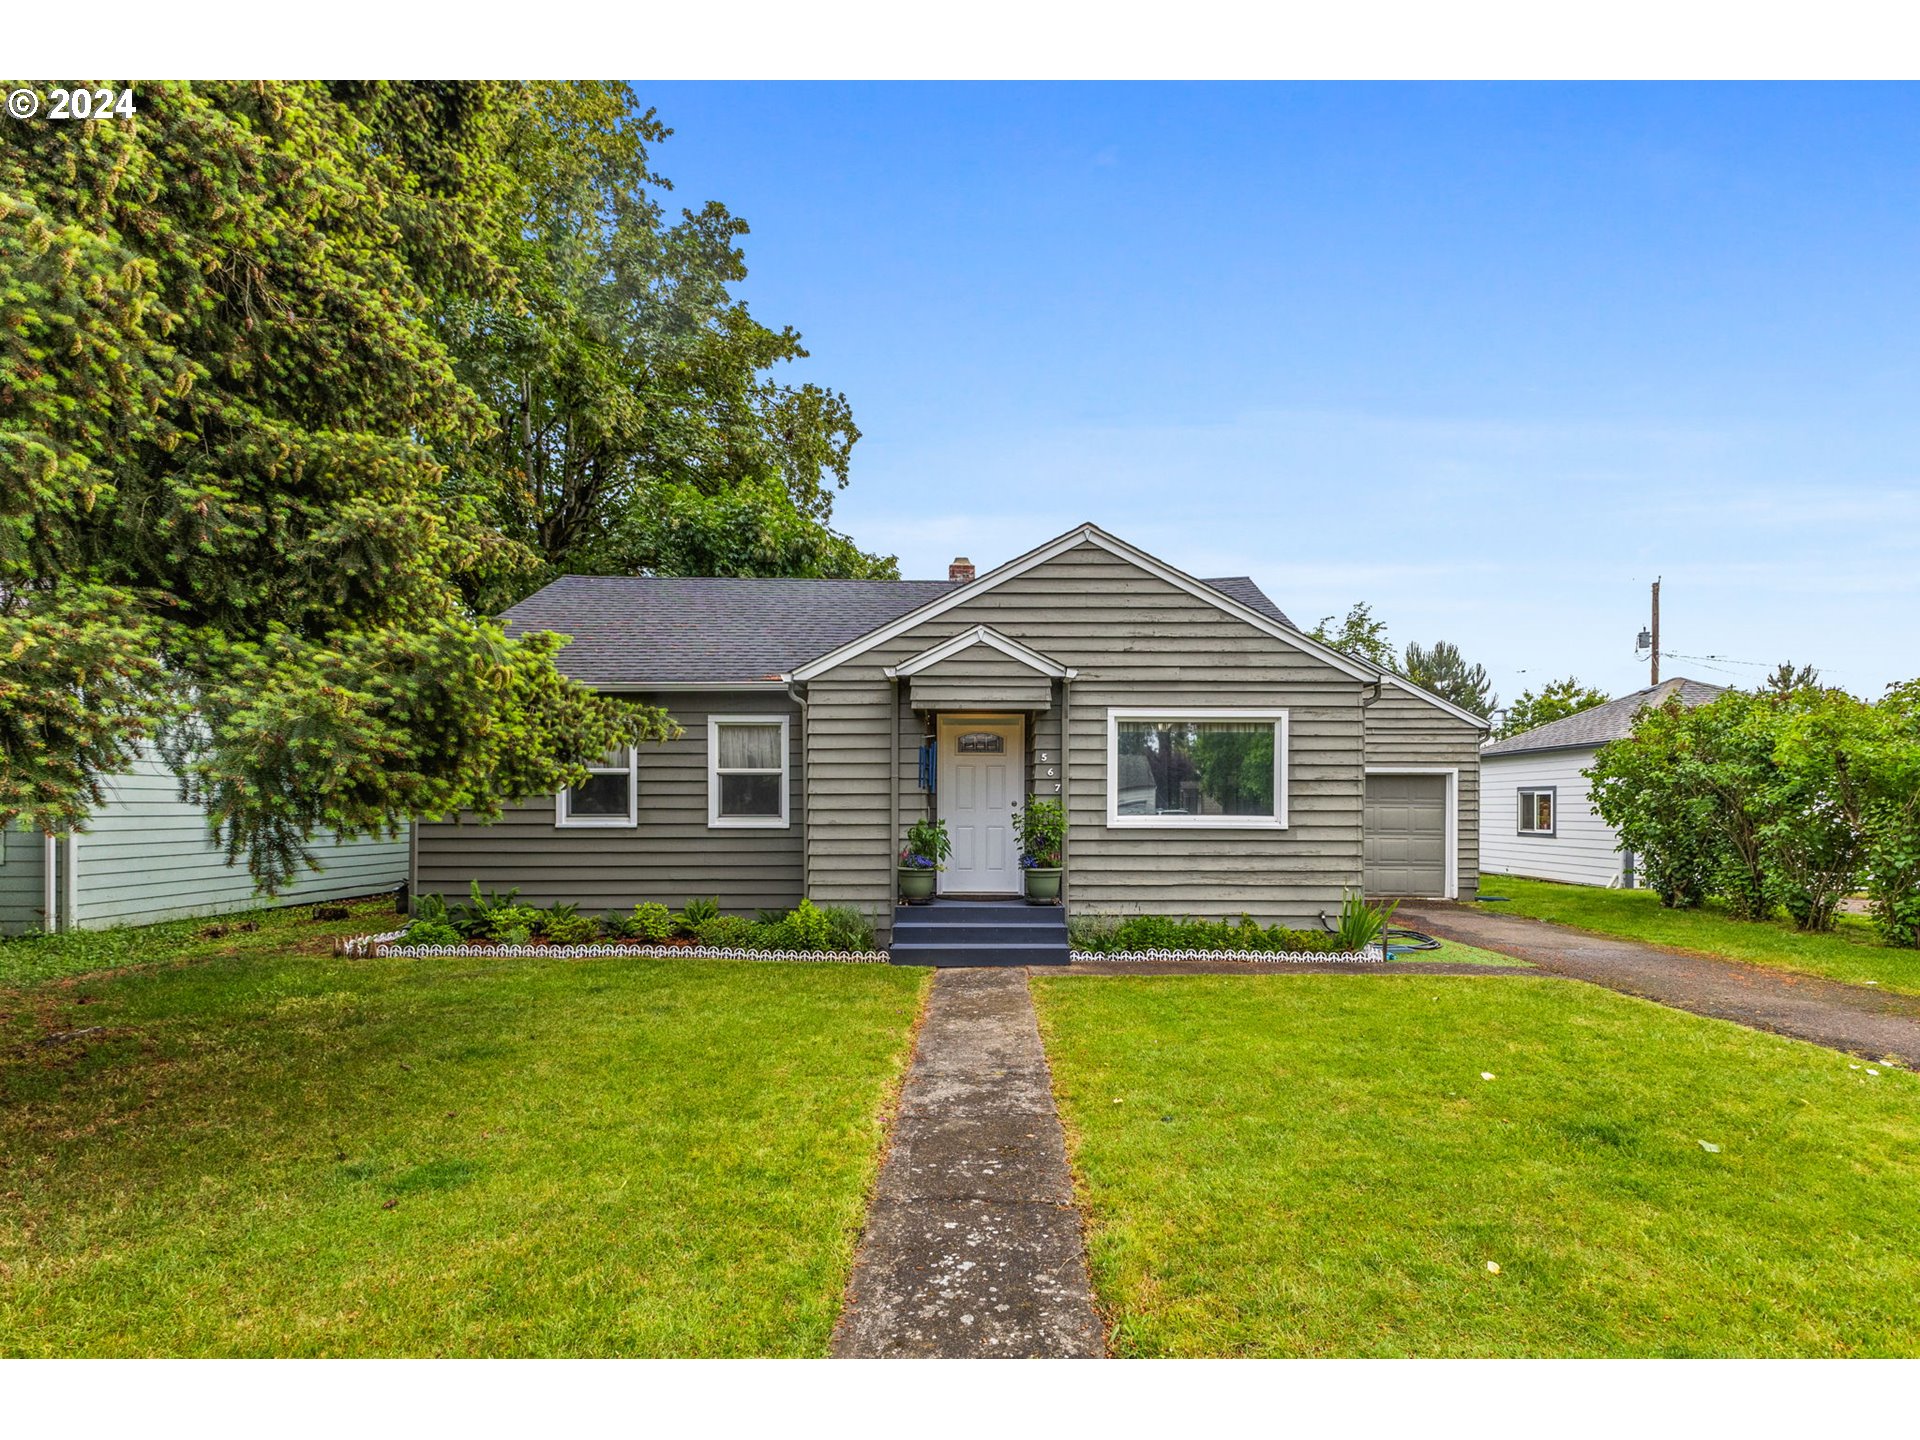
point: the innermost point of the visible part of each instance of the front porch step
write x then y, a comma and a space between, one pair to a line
945, 955
1005, 932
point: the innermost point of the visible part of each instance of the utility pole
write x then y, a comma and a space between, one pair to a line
1656, 632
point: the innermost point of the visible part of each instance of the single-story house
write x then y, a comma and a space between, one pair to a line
1535, 818
1212, 759
145, 856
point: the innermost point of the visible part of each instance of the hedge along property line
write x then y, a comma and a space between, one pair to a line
1372, 955
385, 946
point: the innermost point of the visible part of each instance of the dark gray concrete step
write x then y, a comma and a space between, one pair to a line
1002, 934
907, 952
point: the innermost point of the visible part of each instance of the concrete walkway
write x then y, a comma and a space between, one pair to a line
1872, 1023
973, 1244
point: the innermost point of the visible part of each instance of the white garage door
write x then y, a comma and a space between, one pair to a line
1406, 835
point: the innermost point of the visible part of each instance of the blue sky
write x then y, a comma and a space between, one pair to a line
1491, 358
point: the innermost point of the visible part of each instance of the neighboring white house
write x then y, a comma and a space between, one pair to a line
145, 856
1534, 816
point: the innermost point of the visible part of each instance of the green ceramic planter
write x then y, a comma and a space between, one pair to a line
1043, 886
916, 885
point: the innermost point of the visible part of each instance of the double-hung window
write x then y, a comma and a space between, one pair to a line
1537, 810
747, 771
1225, 769
609, 795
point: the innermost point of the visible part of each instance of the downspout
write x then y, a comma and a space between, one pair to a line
50, 886
72, 879
806, 796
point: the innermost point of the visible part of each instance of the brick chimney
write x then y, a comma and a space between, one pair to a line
960, 569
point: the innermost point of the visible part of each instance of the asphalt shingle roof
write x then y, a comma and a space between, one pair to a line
630, 629
1611, 721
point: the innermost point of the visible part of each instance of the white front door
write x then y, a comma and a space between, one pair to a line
981, 765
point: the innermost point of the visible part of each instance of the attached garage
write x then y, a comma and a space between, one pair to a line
1406, 835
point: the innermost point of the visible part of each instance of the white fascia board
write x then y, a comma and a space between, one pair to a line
1479, 722
1113, 545
980, 635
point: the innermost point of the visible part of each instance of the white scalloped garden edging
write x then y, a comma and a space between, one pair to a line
383, 947
1372, 955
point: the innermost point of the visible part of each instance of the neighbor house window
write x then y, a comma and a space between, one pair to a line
1537, 811
1223, 768
747, 770
608, 796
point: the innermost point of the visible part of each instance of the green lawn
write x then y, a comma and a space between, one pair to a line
266, 1150
1451, 952
1318, 1168
1853, 952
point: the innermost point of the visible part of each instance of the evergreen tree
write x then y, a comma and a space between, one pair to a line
226, 400
1445, 672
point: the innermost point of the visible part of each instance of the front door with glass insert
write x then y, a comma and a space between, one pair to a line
981, 766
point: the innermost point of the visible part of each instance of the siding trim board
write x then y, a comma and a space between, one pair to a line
1452, 774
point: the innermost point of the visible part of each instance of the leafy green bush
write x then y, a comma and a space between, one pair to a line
431, 932
652, 922
475, 918
696, 914
570, 928
848, 929
732, 930
514, 924
1113, 934
803, 928
617, 925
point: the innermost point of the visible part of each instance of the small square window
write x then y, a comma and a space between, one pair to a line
607, 796
1537, 808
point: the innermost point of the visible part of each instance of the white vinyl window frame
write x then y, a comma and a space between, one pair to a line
717, 821
565, 819
1526, 822
1181, 715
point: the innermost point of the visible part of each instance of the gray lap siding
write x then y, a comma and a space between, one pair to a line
671, 856
1135, 640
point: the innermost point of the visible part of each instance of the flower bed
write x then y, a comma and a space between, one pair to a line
1372, 955
393, 944
491, 923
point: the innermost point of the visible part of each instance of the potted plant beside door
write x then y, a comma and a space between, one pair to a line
1042, 828
922, 858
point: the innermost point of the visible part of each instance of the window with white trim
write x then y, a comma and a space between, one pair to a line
609, 796
1537, 810
747, 770
1220, 768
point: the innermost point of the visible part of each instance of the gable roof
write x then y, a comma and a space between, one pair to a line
635, 630
1090, 534
991, 638
1611, 721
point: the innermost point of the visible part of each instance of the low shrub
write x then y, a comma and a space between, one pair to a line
652, 922
1115, 934
514, 924
696, 914
571, 928
617, 925
805, 927
848, 930
735, 931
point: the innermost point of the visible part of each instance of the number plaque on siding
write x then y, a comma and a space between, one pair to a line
981, 742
